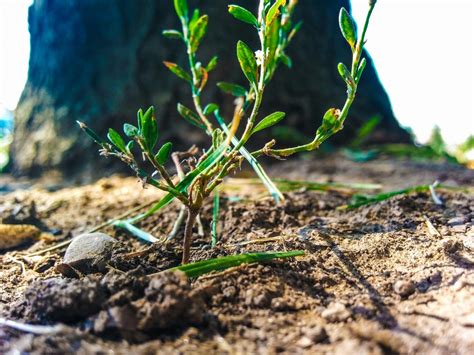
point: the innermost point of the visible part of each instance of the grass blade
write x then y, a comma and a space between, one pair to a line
215, 218
137, 232
363, 200
203, 267
292, 185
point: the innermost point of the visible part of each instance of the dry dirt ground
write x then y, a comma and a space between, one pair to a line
389, 278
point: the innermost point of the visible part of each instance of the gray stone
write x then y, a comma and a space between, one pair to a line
404, 288
87, 253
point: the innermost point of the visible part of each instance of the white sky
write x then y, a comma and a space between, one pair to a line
423, 51
14, 50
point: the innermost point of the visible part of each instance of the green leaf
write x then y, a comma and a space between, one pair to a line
286, 60
181, 7
149, 128
269, 121
129, 146
194, 18
198, 32
232, 89
348, 28
273, 12
116, 140
331, 116
139, 119
271, 42
190, 116
212, 64
218, 264
130, 130
330, 123
210, 108
247, 61
145, 116
90, 133
243, 15
364, 131
217, 137
346, 74
178, 71
164, 153
172, 34
360, 70
294, 31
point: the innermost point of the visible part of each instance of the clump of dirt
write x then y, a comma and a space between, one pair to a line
124, 304
168, 303
60, 300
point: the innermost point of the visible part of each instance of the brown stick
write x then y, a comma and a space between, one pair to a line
188, 234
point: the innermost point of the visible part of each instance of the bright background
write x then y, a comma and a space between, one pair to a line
423, 51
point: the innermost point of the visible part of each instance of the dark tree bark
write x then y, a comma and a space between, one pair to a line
98, 61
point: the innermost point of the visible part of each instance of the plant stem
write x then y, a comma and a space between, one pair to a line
261, 82
215, 218
164, 174
361, 42
188, 234
259, 88
195, 90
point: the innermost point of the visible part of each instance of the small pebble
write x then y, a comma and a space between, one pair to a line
86, 252
304, 342
316, 333
404, 288
88, 246
336, 312
460, 228
281, 304
468, 241
456, 221
229, 292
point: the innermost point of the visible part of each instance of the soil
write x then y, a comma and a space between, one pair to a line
388, 278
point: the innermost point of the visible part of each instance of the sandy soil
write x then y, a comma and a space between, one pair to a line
394, 277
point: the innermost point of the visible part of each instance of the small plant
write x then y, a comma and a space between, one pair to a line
206, 170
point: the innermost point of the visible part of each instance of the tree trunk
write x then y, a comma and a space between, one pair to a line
98, 61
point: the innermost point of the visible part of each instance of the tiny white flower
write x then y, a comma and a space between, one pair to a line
259, 57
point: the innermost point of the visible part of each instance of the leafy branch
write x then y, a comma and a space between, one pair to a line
142, 150
333, 120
